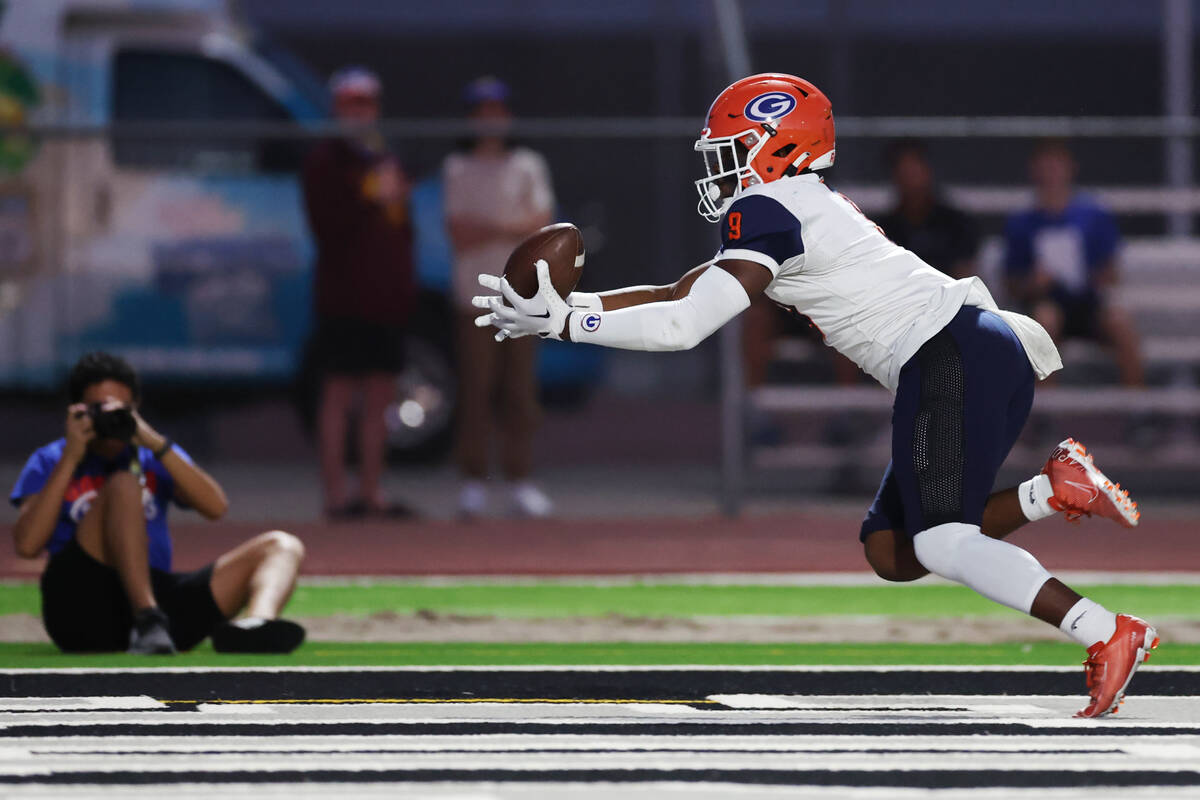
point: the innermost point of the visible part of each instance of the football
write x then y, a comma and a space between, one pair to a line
561, 245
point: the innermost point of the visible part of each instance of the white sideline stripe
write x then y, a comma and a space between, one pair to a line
369, 713
971, 668
854, 578
470, 763
124, 703
721, 579
808, 702
641, 790
499, 743
862, 578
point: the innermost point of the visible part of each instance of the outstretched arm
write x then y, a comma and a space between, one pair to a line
617, 299
641, 318
758, 236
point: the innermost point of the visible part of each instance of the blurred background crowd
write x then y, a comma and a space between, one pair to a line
275, 210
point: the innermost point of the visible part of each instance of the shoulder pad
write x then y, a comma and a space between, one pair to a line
761, 223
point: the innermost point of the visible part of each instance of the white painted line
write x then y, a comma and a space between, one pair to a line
370, 712
855, 578
1163, 750
123, 703
240, 709
581, 764
500, 743
864, 703
976, 668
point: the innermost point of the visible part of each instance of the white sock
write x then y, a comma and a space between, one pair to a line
1089, 622
999, 571
249, 623
1035, 495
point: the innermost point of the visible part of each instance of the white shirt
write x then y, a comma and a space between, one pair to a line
874, 301
503, 188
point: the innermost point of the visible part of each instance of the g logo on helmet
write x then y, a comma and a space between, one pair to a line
590, 323
772, 105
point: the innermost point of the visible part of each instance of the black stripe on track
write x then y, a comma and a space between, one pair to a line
574, 684
929, 779
748, 728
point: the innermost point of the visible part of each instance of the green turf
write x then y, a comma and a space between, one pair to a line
26, 656
550, 599
553, 599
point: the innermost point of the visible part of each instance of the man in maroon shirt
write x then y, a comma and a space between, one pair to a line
356, 197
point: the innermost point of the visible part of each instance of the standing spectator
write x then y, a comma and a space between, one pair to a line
922, 221
356, 196
1061, 261
496, 194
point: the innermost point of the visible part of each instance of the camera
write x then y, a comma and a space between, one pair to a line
113, 423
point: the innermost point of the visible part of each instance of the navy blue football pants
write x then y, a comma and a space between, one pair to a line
960, 405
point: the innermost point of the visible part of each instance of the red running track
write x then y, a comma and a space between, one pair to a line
788, 543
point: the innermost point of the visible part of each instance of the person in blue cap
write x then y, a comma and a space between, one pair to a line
496, 194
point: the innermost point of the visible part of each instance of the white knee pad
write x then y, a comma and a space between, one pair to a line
997, 570
937, 548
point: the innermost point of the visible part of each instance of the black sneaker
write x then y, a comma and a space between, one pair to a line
150, 635
258, 636
354, 511
393, 511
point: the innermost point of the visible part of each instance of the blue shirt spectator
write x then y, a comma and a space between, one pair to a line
1061, 259
158, 490
1074, 247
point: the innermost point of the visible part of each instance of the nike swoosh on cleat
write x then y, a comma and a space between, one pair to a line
1094, 491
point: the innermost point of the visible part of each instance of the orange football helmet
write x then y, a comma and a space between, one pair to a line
760, 129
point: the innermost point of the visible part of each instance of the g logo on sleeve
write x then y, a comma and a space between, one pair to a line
590, 322
769, 106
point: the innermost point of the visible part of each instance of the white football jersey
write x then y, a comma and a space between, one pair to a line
872, 300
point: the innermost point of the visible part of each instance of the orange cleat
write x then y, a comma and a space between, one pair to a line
1080, 489
1110, 665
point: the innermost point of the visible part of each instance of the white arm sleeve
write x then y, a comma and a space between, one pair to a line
715, 298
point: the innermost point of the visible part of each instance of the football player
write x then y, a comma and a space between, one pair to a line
962, 370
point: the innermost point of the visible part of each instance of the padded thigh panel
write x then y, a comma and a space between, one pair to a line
938, 452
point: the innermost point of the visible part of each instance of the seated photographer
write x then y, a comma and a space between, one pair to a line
97, 501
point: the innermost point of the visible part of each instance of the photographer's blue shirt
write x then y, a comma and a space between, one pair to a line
158, 489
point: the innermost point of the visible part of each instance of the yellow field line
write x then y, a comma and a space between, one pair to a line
354, 701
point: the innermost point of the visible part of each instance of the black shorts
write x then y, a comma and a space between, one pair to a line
1081, 320
357, 347
85, 609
